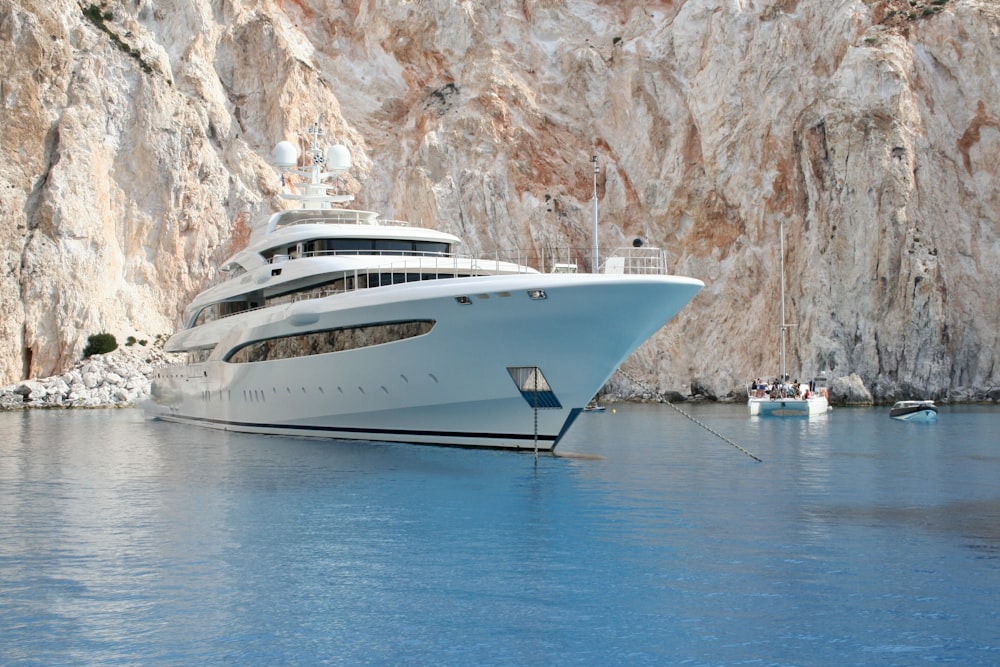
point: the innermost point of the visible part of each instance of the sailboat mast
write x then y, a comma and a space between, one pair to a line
597, 170
784, 324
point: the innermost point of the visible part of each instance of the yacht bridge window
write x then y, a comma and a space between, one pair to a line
360, 246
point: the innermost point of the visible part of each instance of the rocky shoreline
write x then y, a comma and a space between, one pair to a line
120, 378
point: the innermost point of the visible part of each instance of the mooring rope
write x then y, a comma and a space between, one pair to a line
663, 399
536, 416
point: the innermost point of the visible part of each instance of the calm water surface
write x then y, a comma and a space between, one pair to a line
858, 541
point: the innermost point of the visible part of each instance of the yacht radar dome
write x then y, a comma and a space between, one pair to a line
338, 158
285, 155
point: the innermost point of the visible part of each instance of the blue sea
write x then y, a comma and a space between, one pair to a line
858, 540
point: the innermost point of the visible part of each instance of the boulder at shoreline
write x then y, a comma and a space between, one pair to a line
120, 378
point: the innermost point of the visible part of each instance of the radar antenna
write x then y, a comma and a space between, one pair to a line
285, 157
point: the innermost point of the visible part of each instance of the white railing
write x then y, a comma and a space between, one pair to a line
416, 267
641, 260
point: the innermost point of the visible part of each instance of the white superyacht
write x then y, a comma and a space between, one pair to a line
335, 323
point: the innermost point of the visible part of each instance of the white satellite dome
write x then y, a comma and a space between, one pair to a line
338, 158
285, 154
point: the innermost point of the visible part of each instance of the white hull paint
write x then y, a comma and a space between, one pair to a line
788, 407
448, 387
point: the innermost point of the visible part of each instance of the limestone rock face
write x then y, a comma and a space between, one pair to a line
136, 135
849, 390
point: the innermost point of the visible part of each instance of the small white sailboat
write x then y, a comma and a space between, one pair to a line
781, 398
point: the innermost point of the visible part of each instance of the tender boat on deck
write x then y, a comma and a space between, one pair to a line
914, 411
336, 323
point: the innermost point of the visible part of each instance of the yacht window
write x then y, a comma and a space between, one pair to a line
225, 309
363, 246
204, 316
394, 246
313, 291
382, 279
431, 247
198, 356
350, 245
331, 340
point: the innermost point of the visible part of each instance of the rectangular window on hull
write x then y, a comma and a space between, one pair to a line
330, 340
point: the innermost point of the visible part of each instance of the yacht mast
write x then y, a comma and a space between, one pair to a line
784, 324
596, 266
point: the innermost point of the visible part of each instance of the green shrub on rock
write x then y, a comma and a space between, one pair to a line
101, 343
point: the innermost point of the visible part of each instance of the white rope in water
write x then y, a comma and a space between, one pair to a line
663, 399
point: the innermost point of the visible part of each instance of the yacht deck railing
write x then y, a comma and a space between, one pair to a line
641, 260
416, 267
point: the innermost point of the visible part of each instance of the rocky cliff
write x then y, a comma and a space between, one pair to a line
135, 137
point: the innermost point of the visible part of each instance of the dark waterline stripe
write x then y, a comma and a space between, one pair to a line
383, 431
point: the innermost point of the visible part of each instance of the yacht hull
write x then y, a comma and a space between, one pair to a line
453, 385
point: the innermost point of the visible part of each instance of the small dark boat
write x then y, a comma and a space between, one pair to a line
914, 411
